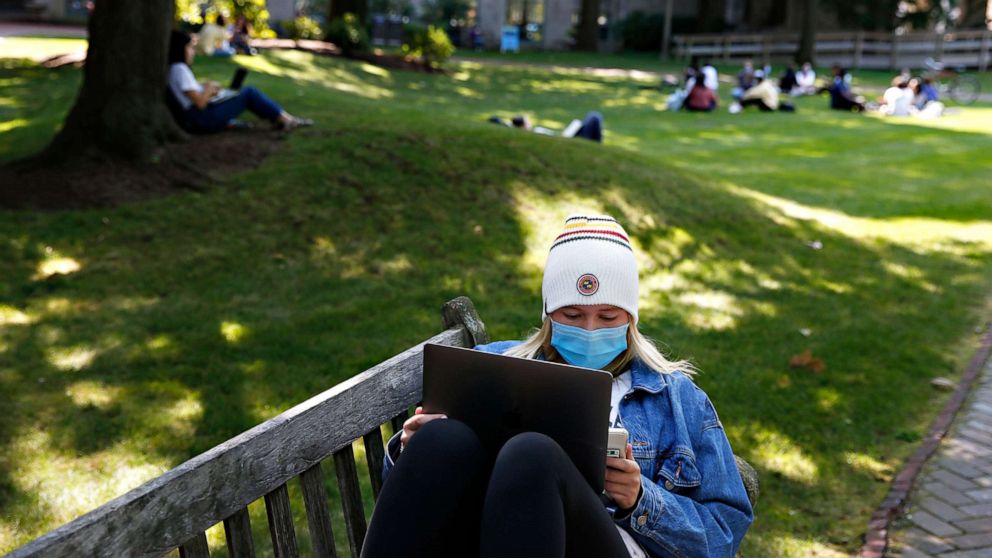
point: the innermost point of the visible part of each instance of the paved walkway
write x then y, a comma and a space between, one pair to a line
16, 29
950, 510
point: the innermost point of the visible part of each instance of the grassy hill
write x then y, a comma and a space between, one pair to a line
134, 338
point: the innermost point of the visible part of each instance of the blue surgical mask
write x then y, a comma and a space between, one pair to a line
588, 348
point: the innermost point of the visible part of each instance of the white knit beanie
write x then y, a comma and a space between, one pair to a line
591, 262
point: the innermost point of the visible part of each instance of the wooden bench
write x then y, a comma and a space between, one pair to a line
174, 510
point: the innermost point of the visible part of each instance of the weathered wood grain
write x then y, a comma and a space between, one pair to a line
280, 516
374, 454
351, 498
318, 514
195, 547
237, 531
160, 515
461, 311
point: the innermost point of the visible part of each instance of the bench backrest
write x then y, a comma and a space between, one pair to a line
175, 509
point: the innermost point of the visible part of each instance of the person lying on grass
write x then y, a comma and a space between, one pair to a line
676, 492
198, 110
590, 127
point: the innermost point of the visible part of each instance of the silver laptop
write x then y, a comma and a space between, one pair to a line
234, 89
500, 396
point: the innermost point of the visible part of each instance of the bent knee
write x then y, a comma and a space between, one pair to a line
530, 453
446, 439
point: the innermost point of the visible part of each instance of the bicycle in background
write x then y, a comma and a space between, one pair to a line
953, 83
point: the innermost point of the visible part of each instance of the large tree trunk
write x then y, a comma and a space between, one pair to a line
807, 34
587, 34
120, 111
974, 13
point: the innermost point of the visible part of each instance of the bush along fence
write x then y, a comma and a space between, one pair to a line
860, 49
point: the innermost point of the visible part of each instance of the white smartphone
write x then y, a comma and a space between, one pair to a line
616, 445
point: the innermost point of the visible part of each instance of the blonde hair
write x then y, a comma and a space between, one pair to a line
638, 347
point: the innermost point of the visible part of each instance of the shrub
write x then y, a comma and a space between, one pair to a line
641, 31
431, 44
348, 34
302, 27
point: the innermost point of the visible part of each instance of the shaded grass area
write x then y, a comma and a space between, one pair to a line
134, 338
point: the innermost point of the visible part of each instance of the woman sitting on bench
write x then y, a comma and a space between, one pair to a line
676, 492
197, 110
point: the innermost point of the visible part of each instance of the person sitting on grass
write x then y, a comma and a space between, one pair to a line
745, 80
199, 112
212, 39
763, 95
241, 36
841, 97
676, 491
788, 83
701, 98
805, 80
897, 99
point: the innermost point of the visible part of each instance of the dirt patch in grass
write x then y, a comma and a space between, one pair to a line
196, 164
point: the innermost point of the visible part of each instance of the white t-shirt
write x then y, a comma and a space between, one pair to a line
897, 101
181, 79
805, 78
710, 78
621, 385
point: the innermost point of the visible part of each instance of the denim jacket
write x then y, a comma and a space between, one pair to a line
693, 502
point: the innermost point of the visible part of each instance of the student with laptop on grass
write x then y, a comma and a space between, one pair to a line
205, 107
676, 492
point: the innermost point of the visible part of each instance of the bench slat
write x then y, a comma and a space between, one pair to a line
351, 498
318, 515
237, 530
281, 523
163, 513
374, 454
195, 548
398, 420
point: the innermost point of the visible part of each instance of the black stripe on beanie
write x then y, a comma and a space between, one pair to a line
590, 237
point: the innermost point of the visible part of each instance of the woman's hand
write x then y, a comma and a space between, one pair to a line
211, 88
414, 423
623, 480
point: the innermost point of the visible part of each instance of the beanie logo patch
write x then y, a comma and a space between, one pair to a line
587, 284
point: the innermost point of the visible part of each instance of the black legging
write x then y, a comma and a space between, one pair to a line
445, 497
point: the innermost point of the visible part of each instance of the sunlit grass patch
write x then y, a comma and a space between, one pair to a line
39, 48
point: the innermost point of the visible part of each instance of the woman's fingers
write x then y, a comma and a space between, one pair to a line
415, 422
624, 465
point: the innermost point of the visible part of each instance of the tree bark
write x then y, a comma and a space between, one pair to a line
587, 34
974, 13
807, 35
120, 111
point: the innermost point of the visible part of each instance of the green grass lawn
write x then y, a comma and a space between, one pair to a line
134, 338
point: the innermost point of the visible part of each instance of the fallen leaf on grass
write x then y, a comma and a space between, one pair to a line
807, 360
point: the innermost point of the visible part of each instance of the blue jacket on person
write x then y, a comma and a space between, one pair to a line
693, 501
